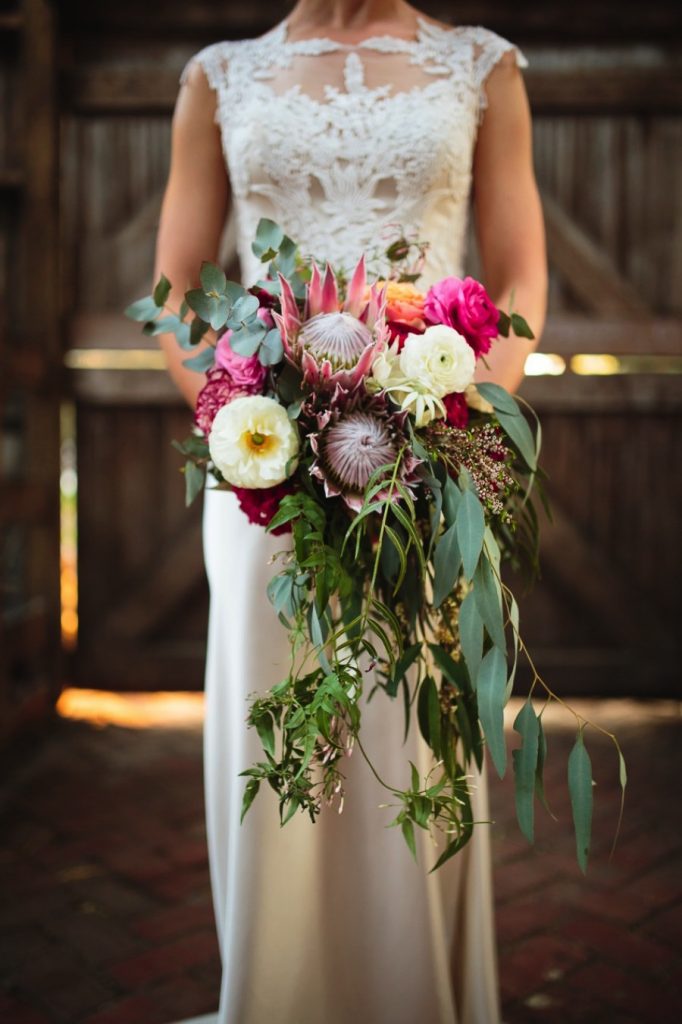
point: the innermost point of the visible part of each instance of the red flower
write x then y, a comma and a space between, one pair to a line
261, 503
457, 409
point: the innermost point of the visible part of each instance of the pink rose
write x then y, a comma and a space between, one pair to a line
456, 409
218, 390
261, 504
466, 306
246, 371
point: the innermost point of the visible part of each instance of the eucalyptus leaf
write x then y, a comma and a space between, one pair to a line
197, 330
268, 239
490, 694
471, 635
580, 789
245, 341
446, 563
452, 497
540, 767
212, 278
525, 764
195, 478
161, 291
200, 303
488, 603
470, 527
519, 433
220, 313
143, 310
499, 398
271, 350
202, 362
245, 308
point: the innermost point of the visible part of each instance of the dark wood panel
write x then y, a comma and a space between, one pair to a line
144, 90
580, 20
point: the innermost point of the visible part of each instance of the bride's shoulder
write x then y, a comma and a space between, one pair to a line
212, 62
485, 46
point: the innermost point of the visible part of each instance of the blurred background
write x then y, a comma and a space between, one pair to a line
102, 586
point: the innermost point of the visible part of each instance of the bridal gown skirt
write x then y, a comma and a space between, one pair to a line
332, 922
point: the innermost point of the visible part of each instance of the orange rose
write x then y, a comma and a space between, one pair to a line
404, 303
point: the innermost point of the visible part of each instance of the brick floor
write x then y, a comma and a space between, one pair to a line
106, 915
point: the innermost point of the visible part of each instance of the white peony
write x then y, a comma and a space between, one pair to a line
253, 442
440, 360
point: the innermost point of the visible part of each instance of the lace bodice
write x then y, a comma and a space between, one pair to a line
348, 146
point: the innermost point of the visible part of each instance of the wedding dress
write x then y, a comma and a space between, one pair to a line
331, 923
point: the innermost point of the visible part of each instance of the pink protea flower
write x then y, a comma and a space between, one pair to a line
219, 389
332, 341
466, 306
357, 434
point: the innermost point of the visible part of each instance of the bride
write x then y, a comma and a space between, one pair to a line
349, 121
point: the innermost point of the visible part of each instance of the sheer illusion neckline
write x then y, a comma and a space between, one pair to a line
424, 29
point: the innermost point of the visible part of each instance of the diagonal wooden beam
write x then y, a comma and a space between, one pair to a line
596, 583
588, 270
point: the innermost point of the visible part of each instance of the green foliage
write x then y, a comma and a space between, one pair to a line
491, 697
525, 767
470, 529
405, 595
195, 478
580, 789
447, 562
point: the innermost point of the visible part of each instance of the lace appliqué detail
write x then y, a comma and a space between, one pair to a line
344, 171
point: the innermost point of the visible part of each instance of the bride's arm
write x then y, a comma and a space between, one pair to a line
509, 221
193, 211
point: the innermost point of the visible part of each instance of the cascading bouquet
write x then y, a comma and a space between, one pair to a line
345, 413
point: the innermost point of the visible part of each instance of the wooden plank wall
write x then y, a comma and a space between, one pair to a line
608, 142
31, 366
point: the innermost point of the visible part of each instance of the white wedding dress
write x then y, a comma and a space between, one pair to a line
333, 923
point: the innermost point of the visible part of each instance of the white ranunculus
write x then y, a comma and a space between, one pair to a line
385, 364
440, 360
252, 440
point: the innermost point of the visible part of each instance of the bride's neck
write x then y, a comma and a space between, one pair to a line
346, 14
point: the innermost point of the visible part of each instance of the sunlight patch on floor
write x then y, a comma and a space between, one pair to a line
174, 710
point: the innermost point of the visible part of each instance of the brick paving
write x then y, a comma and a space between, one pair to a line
105, 913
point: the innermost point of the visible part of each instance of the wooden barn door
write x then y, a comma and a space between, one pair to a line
607, 144
30, 369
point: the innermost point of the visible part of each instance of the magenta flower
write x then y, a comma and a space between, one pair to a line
466, 306
219, 389
247, 372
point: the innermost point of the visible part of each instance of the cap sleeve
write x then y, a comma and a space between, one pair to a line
213, 61
488, 50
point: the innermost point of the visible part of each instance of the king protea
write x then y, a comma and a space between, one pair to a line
333, 341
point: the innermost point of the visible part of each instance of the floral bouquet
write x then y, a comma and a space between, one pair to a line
344, 412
